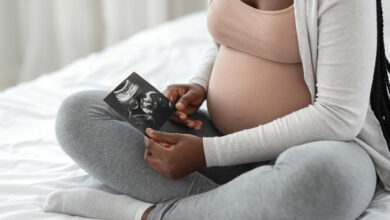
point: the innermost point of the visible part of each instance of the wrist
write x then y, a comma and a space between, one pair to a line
202, 156
210, 151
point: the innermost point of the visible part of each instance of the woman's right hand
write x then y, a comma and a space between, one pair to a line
187, 98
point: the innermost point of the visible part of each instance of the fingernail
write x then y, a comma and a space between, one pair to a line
182, 117
149, 130
179, 105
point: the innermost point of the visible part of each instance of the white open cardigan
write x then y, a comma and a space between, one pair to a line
337, 43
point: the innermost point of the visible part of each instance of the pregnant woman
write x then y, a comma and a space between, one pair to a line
297, 124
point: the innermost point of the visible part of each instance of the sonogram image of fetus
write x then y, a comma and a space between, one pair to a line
151, 101
139, 105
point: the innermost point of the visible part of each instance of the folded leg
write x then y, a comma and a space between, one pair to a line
317, 180
112, 150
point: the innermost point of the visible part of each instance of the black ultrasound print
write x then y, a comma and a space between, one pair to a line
140, 103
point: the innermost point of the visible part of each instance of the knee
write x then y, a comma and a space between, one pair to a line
72, 114
335, 177
78, 102
74, 106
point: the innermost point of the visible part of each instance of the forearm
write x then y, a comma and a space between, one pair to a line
202, 74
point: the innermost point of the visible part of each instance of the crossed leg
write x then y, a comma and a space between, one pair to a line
316, 180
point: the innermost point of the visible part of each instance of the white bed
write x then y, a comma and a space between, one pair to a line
31, 162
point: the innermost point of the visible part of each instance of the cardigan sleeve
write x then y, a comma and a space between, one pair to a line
345, 67
202, 74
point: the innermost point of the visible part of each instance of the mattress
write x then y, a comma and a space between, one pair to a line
31, 162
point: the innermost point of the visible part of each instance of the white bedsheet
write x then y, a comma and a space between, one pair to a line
31, 162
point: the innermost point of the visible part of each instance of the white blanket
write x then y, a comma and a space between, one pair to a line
31, 162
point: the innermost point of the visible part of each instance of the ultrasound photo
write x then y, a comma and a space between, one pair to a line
139, 103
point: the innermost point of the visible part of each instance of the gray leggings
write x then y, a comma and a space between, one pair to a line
317, 180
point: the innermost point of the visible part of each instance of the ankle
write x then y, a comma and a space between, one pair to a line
146, 213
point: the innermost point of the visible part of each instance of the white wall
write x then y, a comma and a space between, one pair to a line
40, 36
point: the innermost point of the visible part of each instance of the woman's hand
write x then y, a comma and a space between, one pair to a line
187, 98
178, 156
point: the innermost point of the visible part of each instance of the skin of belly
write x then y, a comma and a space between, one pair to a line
246, 91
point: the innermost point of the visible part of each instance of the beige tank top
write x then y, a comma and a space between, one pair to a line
258, 75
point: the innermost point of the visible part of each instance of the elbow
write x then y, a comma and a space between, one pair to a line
354, 124
349, 132
344, 124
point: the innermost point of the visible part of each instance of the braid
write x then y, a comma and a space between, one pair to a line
379, 97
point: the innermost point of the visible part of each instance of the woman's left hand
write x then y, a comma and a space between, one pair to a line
178, 156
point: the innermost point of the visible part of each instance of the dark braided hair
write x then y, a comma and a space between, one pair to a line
379, 97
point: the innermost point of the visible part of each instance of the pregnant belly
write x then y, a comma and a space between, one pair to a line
246, 91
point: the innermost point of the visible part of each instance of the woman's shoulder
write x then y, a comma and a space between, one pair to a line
349, 10
341, 3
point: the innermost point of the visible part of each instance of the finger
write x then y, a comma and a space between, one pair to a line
181, 115
193, 123
153, 163
165, 137
146, 154
171, 94
169, 146
149, 145
166, 92
196, 124
185, 100
149, 142
154, 148
198, 127
178, 120
146, 141
156, 151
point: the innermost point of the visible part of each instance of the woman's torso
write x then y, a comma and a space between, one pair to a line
258, 75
